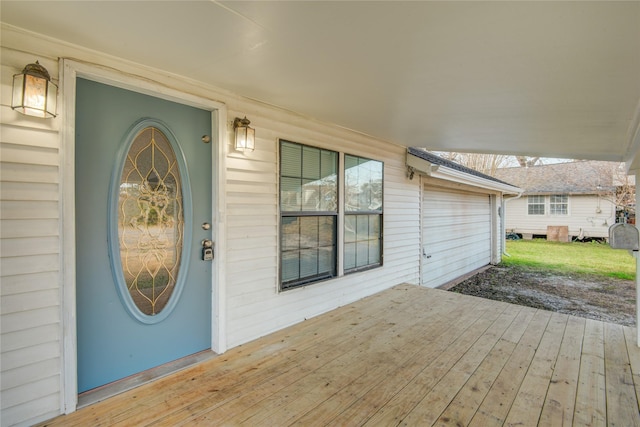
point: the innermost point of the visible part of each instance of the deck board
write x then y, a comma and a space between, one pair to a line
405, 356
559, 403
527, 406
622, 406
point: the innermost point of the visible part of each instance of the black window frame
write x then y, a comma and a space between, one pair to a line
360, 214
286, 216
338, 214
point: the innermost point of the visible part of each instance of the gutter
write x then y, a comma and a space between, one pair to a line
503, 220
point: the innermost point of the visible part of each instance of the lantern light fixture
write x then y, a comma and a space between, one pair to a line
34, 94
245, 135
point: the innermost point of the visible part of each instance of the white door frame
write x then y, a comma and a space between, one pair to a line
69, 71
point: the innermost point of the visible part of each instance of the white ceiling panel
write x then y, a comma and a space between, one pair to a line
556, 79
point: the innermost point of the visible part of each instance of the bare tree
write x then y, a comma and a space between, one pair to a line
614, 185
625, 194
528, 161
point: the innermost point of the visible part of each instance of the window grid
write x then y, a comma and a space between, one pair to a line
363, 213
535, 205
310, 214
308, 205
558, 204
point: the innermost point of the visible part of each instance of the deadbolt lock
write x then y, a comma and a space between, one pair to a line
207, 250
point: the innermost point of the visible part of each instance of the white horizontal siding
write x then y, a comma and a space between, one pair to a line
31, 261
456, 236
255, 307
583, 215
17, 321
16, 172
29, 257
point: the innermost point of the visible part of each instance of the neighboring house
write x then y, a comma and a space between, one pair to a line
573, 200
130, 240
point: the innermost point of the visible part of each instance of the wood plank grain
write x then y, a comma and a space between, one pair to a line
488, 348
293, 400
622, 405
495, 407
591, 409
304, 348
559, 403
527, 406
352, 404
634, 358
403, 403
407, 355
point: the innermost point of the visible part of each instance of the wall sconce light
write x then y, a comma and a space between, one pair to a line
33, 92
245, 135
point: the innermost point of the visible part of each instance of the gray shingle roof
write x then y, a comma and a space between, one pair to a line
579, 177
437, 160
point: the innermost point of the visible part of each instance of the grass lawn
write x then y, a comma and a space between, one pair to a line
575, 257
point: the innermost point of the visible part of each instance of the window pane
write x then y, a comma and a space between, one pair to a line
365, 250
290, 194
558, 204
308, 180
374, 226
290, 234
535, 205
362, 254
325, 260
329, 195
309, 232
290, 159
308, 249
326, 231
290, 266
374, 251
349, 256
308, 262
329, 164
310, 195
362, 227
363, 184
376, 186
350, 162
310, 163
350, 228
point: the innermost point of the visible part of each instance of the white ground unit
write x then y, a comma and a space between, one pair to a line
461, 224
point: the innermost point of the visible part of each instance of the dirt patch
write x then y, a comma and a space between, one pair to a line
593, 297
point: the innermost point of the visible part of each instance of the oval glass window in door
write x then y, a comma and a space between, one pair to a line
150, 220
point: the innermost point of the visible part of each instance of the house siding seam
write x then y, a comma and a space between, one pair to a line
31, 237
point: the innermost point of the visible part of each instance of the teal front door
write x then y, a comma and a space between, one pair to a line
143, 215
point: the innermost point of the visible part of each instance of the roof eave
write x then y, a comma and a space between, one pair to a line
445, 173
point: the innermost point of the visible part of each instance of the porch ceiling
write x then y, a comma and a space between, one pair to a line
556, 79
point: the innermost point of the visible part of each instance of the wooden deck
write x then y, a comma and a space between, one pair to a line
407, 356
